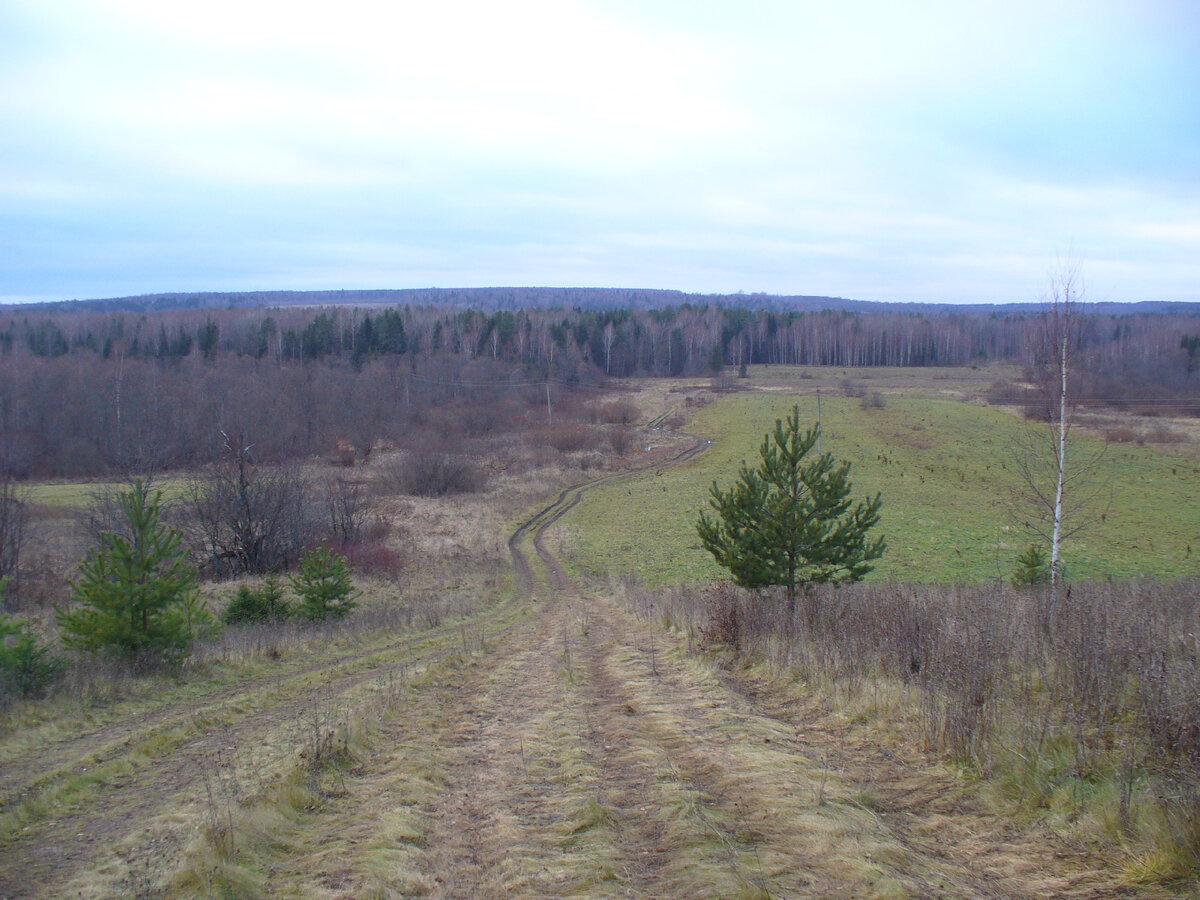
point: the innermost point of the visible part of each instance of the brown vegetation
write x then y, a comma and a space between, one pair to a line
1081, 711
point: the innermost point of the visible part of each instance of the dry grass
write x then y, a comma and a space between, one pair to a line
1073, 719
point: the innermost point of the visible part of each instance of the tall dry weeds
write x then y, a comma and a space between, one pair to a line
1088, 702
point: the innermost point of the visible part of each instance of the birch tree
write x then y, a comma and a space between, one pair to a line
1060, 476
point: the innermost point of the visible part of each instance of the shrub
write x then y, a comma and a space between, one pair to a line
26, 666
373, 556
431, 473
1161, 434
724, 623
324, 585
1122, 436
264, 604
622, 439
570, 438
250, 519
1005, 393
1032, 568
619, 412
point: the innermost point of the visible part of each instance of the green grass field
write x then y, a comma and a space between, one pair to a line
81, 494
946, 470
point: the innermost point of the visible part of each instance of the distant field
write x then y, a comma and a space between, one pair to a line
945, 469
81, 494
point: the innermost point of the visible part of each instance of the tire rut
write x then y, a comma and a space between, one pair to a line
27, 767
48, 853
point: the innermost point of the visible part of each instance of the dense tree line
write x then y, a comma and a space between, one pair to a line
86, 391
683, 340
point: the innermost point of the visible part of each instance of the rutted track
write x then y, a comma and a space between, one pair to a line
540, 522
152, 763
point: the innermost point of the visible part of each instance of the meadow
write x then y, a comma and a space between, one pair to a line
471, 730
945, 464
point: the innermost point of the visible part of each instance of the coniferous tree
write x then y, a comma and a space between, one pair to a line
789, 521
1032, 568
323, 585
137, 595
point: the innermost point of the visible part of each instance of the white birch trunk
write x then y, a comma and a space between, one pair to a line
1061, 457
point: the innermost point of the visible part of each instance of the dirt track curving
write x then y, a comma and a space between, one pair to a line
574, 750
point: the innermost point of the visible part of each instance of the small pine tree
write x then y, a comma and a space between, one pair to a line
26, 666
324, 585
265, 604
137, 595
1032, 568
789, 521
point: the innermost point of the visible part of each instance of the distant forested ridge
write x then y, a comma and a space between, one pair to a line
87, 388
491, 299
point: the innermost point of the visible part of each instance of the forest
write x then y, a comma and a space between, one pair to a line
85, 392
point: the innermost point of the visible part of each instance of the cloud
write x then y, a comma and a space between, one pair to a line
881, 150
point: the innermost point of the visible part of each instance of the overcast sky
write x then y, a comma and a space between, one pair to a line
876, 150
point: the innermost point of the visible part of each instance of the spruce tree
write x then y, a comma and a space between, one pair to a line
789, 521
136, 594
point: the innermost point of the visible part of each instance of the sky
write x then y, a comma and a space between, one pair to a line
921, 151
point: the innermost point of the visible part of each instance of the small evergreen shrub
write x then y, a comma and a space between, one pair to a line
262, 604
323, 585
1032, 568
26, 666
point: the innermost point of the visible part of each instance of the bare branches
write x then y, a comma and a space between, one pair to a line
1061, 491
13, 521
250, 519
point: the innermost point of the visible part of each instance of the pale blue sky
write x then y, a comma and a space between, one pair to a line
946, 152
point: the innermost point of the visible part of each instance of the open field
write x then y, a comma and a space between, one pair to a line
486, 725
946, 470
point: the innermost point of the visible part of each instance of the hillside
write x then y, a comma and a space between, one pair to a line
492, 299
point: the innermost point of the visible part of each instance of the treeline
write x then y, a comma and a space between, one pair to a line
89, 392
683, 340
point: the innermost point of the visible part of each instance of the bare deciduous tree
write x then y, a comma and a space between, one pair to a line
346, 503
1061, 480
14, 517
250, 519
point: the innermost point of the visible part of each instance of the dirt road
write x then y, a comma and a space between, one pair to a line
554, 747
587, 754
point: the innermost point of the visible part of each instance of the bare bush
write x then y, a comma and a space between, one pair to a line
435, 473
852, 388
1122, 435
622, 439
1005, 393
249, 519
619, 412
346, 505
724, 625
14, 517
1161, 434
569, 437
373, 557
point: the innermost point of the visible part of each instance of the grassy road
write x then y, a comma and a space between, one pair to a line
554, 745
587, 753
